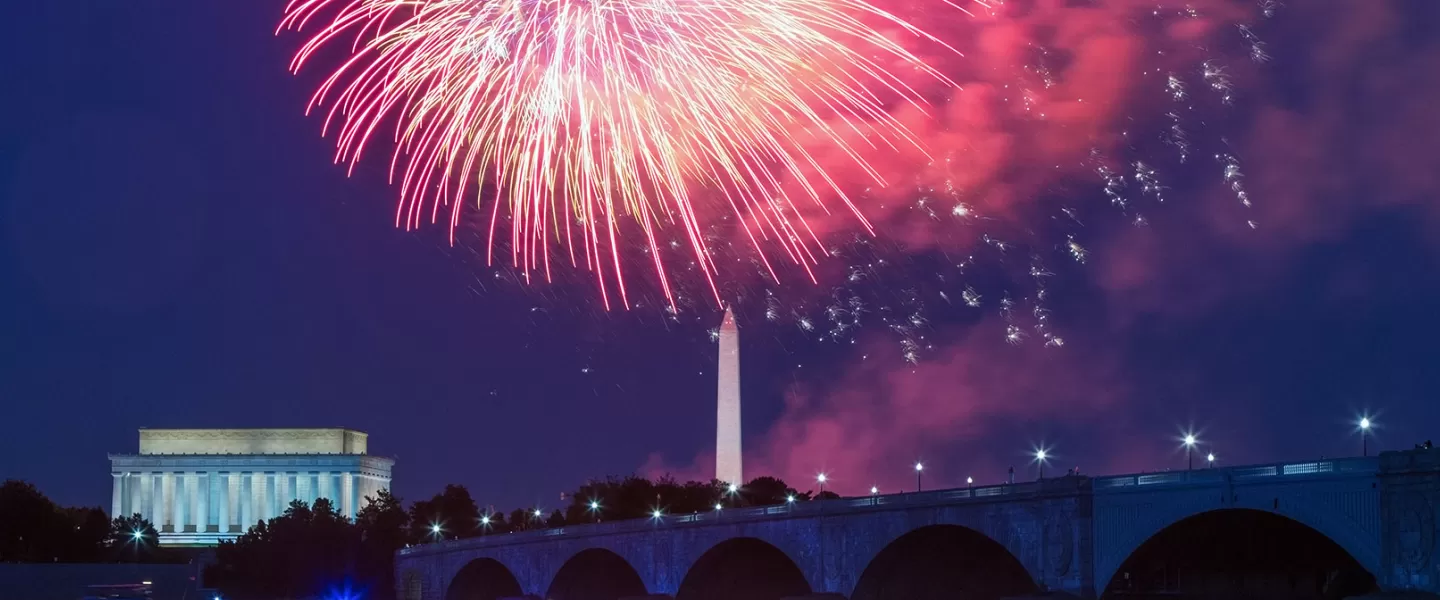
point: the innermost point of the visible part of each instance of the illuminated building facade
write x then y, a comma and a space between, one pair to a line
201, 486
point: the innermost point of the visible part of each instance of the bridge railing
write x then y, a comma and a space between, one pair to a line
731, 515
1239, 474
931, 498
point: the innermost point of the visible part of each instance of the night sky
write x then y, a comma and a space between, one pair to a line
177, 250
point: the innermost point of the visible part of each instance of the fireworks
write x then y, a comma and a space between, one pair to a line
600, 123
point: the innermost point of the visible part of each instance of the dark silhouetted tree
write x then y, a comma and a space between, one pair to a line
767, 491
453, 510
35, 529
134, 539
384, 526
305, 552
556, 520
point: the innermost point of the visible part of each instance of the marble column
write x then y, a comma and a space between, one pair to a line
164, 503
117, 494
302, 488
283, 495
222, 502
176, 501
195, 521
247, 500
327, 490
132, 481
232, 501
148, 499
202, 501
260, 495
347, 494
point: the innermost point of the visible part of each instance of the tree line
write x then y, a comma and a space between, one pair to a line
34, 529
313, 550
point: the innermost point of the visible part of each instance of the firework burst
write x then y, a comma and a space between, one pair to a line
578, 124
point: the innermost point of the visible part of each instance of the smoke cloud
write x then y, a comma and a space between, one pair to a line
1325, 120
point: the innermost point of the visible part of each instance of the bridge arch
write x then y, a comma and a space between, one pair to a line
595, 574
943, 562
483, 579
1237, 552
743, 567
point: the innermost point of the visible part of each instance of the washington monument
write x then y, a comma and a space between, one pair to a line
727, 417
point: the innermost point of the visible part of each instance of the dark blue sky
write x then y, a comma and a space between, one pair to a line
176, 250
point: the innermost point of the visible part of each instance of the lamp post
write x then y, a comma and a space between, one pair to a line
595, 510
970, 481
821, 479
919, 469
1364, 436
874, 491
1040, 460
1210, 459
1189, 450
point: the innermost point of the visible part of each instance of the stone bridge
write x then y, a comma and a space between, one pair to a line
1089, 537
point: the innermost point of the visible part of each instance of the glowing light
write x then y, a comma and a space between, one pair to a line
1210, 457
790, 498
919, 466
538, 514
589, 114
1365, 423
137, 534
485, 520
434, 529
1190, 440
734, 488
594, 505
820, 478
969, 480
657, 513
717, 506
1040, 454
874, 490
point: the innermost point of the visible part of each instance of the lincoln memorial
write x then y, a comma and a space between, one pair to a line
200, 486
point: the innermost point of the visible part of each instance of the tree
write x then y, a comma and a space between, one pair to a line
767, 491
383, 525
35, 529
556, 520
134, 539
92, 533
304, 552
452, 511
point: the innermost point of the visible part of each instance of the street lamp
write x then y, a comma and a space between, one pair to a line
790, 499
595, 510
1210, 459
1190, 442
874, 490
733, 488
1040, 457
821, 480
970, 481
919, 469
1364, 436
